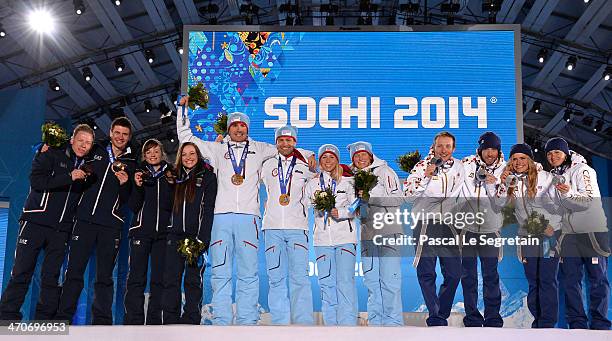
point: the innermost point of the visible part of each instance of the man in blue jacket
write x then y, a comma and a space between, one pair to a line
99, 221
48, 215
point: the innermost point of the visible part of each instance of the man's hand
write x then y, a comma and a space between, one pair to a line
549, 231
184, 101
122, 177
312, 163
429, 171
504, 175
138, 179
78, 174
44, 148
334, 213
219, 138
490, 179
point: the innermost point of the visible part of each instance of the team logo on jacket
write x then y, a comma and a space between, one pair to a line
226, 156
116, 243
75, 237
23, 241
136, 242
275, 172
63, 165
97, 157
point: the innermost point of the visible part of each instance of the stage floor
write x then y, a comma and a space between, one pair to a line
295, 333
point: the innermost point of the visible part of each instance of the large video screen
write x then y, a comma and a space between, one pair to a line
391, 87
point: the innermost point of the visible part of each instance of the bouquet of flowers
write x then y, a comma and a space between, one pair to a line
53, 135
536, 224
325, 200
221, 124
508, 214
407, 161
365, 181
198, 96
190, 248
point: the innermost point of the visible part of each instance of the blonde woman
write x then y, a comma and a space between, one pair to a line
335, 240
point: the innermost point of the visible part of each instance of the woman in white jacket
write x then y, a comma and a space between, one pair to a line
382, 273
532, 190
584, 242
335, 240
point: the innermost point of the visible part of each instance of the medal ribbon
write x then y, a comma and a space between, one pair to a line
238, 168
285, 179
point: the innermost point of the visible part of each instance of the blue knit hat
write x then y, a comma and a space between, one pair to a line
489, 140
557, 143
287, 130
522, 148
238, 117
329, 148
360, 146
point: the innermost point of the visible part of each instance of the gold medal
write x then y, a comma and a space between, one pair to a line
237, 179
284, 199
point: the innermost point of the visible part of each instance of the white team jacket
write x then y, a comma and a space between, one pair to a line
294, 215
231, 198
582, 206
543, 203
481, 198
334, 232
437, 194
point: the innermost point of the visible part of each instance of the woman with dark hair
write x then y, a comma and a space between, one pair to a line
192, 217
525, 183
151, 203
584, 242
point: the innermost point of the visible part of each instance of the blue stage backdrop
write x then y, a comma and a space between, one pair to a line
21, 116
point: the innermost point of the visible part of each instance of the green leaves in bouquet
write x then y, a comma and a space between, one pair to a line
198, 96
536, 224
508, 214
191, 249
365, 180
407, 161
324, 200
54, 135
220, 125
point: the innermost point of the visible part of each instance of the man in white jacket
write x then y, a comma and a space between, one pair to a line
237, 161
285, 228
584, 241
433, 189
484, 168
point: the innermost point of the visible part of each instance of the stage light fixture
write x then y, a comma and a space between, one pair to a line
567, 116
150, 56
117, 2
598, 126
119, 65
148, 106
607, 73
87, 74
2, 31
542, 55
536, 106
571, 63
79, 7
170, 137
179, 46
41, 21
54, 84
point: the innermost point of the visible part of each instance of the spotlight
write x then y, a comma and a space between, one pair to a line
54, 85
607, 73
41, 21
148, 106
567, 116
90, 122
571, 63
87, 73
598, 126
79, 7
542, 55
2, 31
117, 2
150, 56
536, 106
179, 46
119, 64
170, 137
586, 1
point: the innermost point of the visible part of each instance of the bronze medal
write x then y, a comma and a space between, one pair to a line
118, 166
237, 179
284, 199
